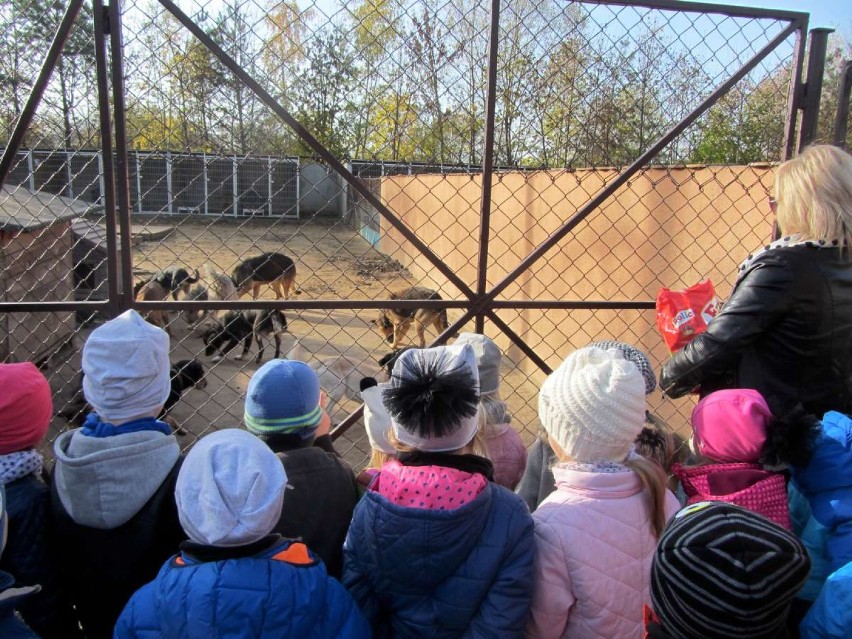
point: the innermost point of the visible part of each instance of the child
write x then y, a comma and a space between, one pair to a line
113, 505
595, 534
820, 493
283, 408
505, 448
26, 408
233, 578
10, 626
725, 572
435, 548
537, 481
377, 425
730, 430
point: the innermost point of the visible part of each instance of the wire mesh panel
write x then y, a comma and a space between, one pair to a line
351, 138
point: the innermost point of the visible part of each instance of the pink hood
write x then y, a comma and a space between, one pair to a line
594, 548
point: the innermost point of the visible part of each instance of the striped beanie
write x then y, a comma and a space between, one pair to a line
283, 398
723, 571
632, 354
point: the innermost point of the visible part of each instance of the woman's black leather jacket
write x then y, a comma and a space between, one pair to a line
786, 331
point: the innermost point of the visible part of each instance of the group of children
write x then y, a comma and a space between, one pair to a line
266, 532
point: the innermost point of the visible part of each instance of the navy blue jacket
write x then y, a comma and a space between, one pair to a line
29, 556
10, 626
281, 592
466, 572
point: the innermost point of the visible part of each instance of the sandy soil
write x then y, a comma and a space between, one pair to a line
333, 262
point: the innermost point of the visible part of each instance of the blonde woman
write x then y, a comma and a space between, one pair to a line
786, 330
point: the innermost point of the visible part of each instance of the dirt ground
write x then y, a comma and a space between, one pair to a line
332, 262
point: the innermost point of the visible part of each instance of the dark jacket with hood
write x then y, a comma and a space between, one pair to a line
115, 518
320, 498
30, 556
785, 331
466, 572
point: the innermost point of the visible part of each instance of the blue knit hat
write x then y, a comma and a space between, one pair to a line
283, 398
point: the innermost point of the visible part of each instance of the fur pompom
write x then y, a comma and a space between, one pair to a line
431, 398
790, 438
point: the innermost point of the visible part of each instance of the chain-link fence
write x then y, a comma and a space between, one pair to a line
544, 166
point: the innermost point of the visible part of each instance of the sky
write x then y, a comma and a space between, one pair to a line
824, 13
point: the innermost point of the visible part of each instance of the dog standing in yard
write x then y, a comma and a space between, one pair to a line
393, 324
244, 326
153, 291
274, 269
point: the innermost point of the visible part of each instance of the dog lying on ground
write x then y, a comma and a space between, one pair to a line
244, 326
185, 374
393, 324
153, 291
268, 268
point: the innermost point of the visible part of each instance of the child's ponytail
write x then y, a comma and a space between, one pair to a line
654, 484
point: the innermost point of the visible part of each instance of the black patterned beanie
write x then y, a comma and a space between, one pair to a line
723, 571
633, 354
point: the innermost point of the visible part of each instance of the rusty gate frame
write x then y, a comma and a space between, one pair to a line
481, 302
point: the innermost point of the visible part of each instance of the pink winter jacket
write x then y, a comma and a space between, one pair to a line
507, 452
594, 547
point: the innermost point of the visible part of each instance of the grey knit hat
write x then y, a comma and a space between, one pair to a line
488, 357
230, 489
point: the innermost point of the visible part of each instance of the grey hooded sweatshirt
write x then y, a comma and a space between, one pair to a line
114, 517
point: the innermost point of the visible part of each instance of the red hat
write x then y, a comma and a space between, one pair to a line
25, 407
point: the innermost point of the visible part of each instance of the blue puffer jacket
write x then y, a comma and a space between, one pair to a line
282, 592
831, 615
442, 573
826, 482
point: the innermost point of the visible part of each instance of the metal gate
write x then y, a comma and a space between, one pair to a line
562, 161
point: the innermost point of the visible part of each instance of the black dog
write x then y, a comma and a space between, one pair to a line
274, 269
243, 326
185, 374
389, 360
176, 279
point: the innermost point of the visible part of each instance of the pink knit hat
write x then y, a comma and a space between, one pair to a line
730, 425
25, 407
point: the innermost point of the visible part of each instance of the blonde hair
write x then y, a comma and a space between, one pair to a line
654, 484
814, 195
379, 458
475, 446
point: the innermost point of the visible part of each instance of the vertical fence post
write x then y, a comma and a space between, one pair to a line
235, 184
269, 186
138, 182
122, 179
31, 169
813, 86
204, 177
488, 159
69, 175
169, 191
844, 92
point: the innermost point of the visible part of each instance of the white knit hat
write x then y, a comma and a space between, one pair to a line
126, 371
433, 398
593, 405
230, 489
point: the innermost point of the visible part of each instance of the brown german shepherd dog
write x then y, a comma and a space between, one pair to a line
268, 268
393, 324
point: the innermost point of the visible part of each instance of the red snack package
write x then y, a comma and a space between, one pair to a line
681, 315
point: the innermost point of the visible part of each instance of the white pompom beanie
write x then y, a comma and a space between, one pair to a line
593, 405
